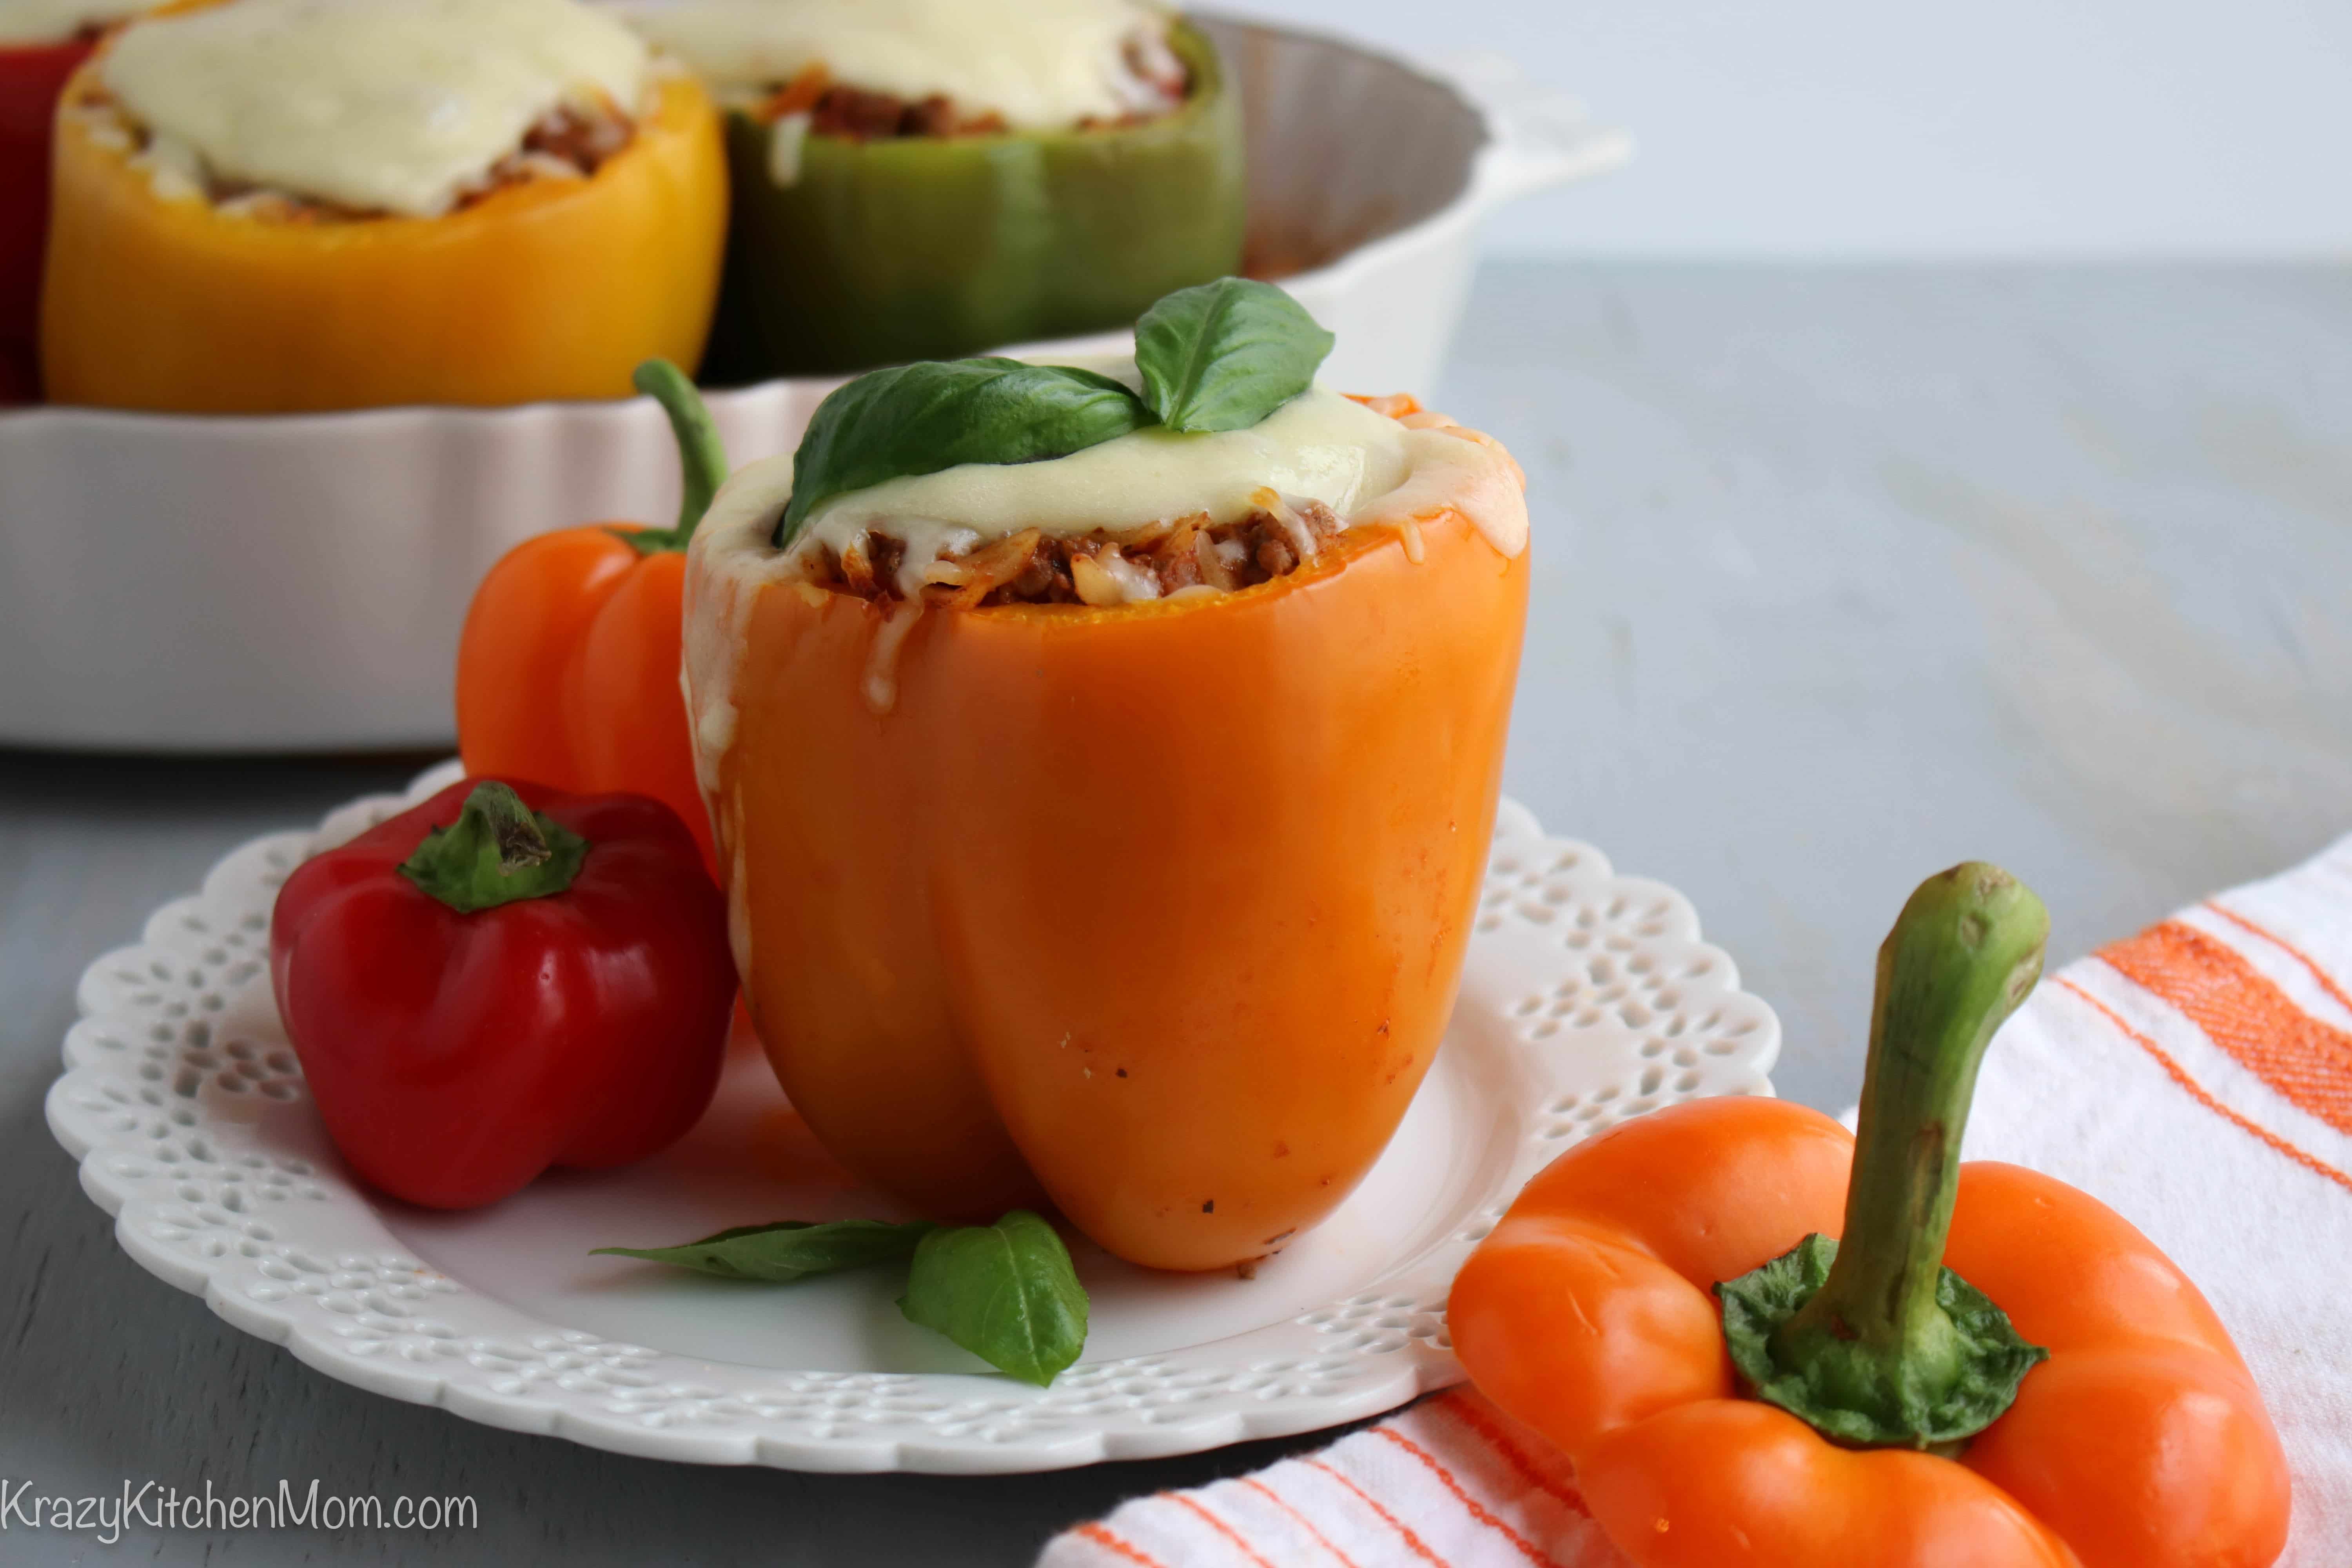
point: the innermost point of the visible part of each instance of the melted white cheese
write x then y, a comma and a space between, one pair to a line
54, 21
1452, 468
1318, 447
381, 105
729, 562
1041, 64
1371, 470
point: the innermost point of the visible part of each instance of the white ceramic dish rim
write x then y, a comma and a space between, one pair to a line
1534, 138
1589, 992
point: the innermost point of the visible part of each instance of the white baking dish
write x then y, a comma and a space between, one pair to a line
186, 583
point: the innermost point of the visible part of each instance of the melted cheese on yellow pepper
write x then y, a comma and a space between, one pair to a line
1041, 64
392, 106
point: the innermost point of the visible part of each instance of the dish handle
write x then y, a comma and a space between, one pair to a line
1538, 136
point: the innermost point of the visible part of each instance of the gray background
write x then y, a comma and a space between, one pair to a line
1855, 129
1844, 573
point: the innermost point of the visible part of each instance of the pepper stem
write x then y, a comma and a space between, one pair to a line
499, 851
1872, 1340
701, 455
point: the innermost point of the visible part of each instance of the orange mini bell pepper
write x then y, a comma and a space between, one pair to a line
1993, 1370
567, 667
1158, 908
543, 288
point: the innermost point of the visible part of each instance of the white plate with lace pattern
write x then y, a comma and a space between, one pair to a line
1588, 998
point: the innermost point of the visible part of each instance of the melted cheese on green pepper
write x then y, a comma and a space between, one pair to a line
1040, 64
393, 106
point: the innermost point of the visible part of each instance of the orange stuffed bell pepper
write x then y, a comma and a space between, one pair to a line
1991, 1369
1108, 827
253, 211
567, 667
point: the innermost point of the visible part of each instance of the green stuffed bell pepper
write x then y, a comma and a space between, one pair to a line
915, 179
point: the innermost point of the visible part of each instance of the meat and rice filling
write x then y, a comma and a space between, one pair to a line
1032, 567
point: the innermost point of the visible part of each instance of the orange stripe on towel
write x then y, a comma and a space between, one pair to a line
1304, 1524
1118, 1546
1527, 1549
1404, 1532
1490, 1432
2179, 1075
2309, 1063
2276, 940
1220, 1526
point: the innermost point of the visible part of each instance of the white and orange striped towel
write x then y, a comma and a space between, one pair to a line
2197, 1078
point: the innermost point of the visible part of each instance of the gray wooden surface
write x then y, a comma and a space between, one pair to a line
1844, 575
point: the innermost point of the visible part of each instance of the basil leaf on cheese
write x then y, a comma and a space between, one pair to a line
1225, 356
919, 418
1219, 357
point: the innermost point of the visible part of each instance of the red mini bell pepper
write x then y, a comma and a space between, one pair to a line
31, 77
504, 979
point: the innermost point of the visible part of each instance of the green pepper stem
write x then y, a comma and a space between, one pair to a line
1963, 954
497, 851
701, 455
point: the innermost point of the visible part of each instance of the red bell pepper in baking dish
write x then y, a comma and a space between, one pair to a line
31, 77
503, 979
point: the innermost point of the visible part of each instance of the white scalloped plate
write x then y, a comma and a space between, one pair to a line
1588, 997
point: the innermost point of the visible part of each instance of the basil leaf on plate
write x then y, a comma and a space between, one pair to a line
1225, 356
788, 1249
919, 418
1006, 1292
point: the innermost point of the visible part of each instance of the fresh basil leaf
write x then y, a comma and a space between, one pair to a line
1225, 356
1006, 1292
919, 418
788, 1249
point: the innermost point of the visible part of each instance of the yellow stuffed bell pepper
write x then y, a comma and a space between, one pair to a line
1072, 872
212, 294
